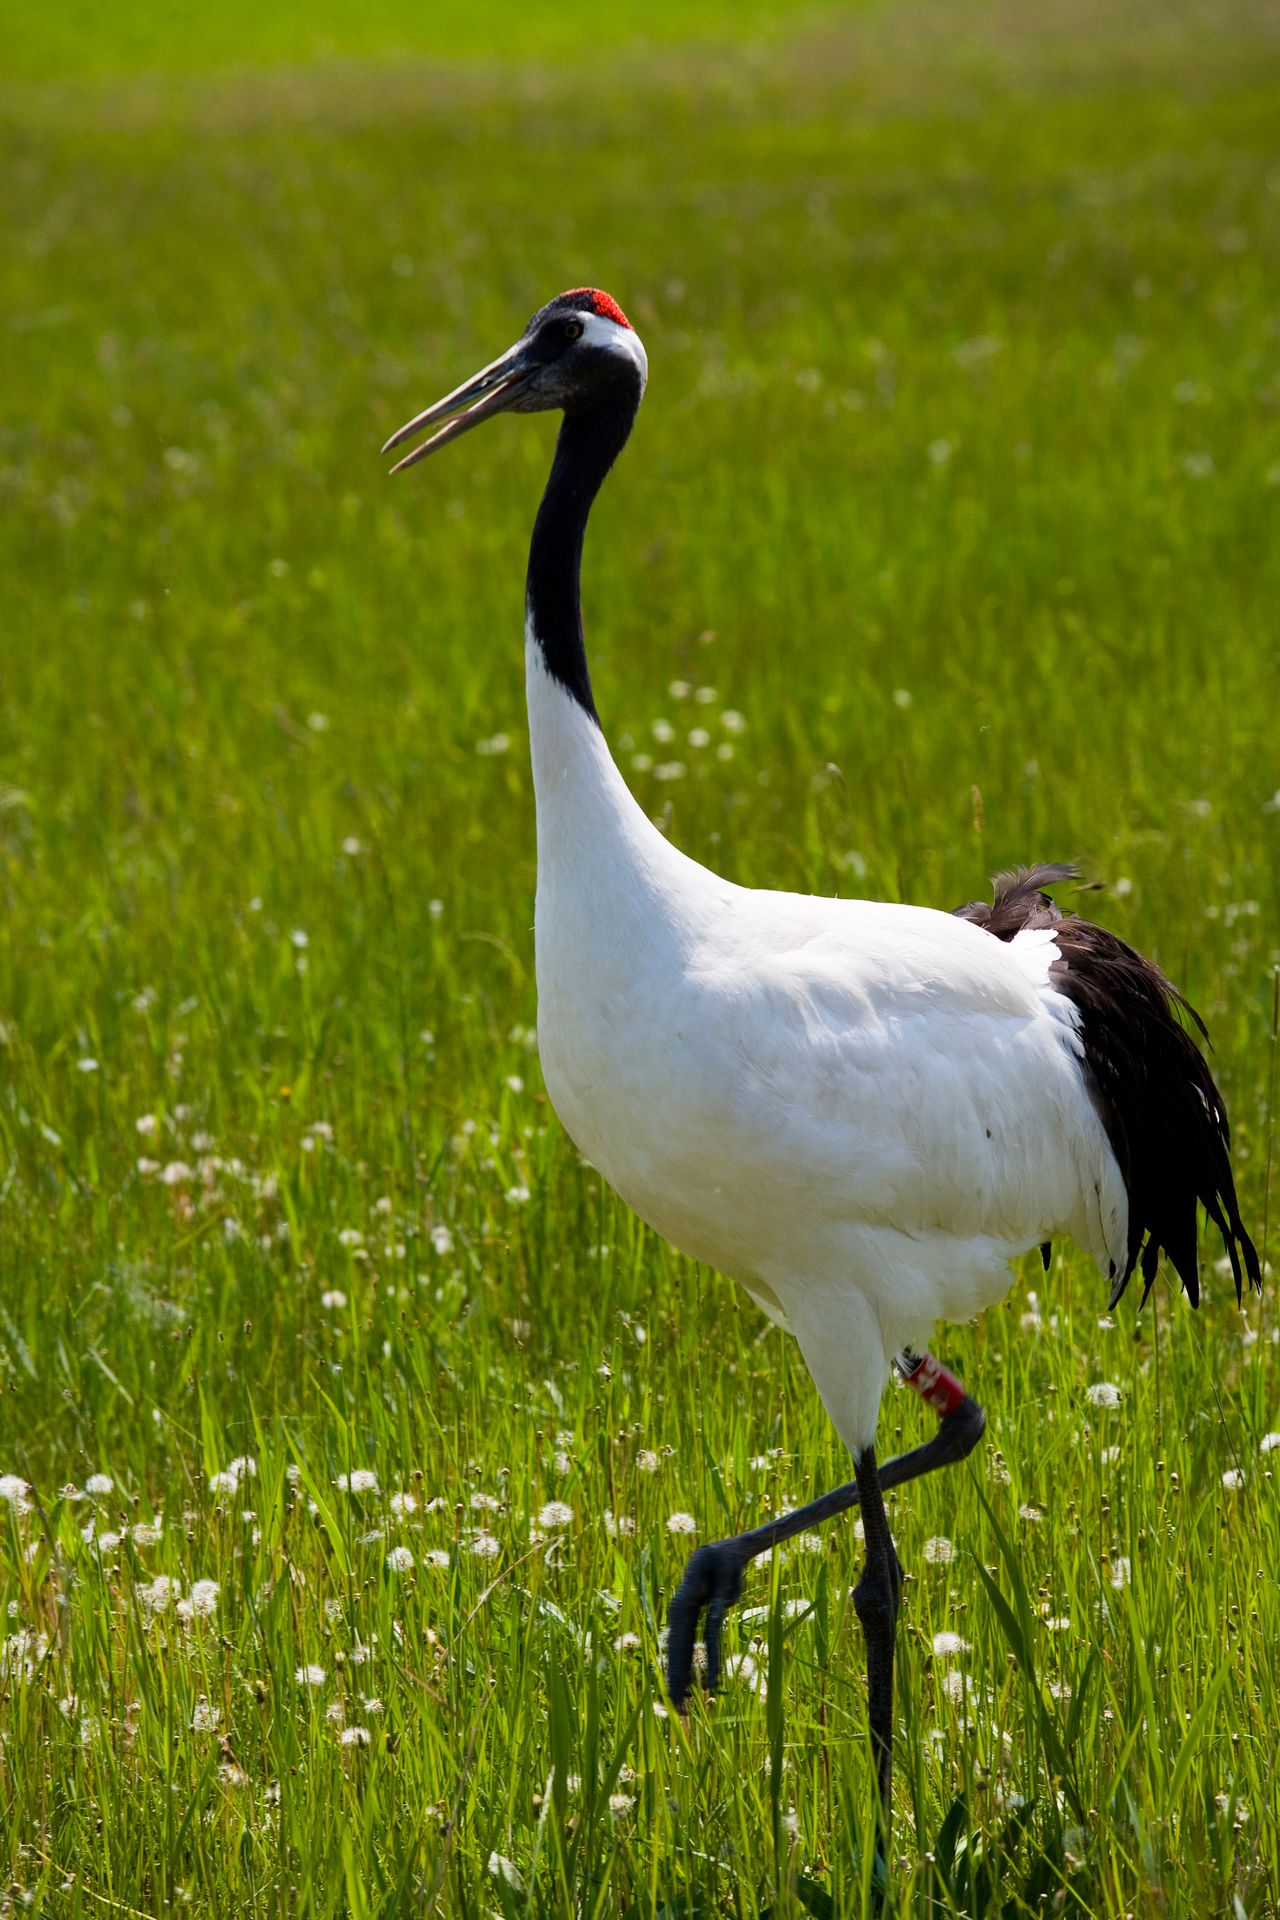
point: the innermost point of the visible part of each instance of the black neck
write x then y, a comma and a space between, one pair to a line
589, 443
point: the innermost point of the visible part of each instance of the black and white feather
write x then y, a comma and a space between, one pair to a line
1165, 1119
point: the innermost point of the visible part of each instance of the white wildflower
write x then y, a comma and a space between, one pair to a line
485, 1546
159, 1594
205, 1716
945, 1644
681, 1523
556, 1513
400, 1560
359, 1480
354, 1736
309, 1676
937, 1550
1233, 1478
1103, 1393
98, 1484
333, 1298
402, 1504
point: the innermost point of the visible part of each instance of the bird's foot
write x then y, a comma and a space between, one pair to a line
712, 1583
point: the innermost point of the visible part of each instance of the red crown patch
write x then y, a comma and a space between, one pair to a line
602, 303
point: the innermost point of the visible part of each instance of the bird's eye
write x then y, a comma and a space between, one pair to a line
573, 329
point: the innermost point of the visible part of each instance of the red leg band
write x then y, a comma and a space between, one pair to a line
936, 1387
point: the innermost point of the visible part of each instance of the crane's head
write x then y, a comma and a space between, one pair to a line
579, 351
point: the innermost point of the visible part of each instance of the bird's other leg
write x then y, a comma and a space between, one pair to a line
875, 1600
713, 1578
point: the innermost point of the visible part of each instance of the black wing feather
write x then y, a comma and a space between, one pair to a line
1164, 1116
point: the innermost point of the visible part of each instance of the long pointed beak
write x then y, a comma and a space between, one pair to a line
476, 400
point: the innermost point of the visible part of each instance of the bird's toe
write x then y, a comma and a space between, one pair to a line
712, 1582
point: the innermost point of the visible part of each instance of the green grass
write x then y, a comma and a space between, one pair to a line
958, 480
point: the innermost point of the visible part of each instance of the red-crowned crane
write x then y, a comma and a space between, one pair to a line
861, 1112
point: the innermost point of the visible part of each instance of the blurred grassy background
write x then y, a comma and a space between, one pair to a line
958, 481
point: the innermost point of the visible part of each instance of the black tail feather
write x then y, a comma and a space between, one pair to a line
1165, 1119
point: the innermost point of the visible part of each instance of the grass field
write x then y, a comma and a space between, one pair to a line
348, 1421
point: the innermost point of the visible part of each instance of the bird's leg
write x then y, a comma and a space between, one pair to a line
875, 1600
713, 1578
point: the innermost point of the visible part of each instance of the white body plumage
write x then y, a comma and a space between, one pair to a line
860, 1111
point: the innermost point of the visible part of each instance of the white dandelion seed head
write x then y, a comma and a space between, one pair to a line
160, 1593
556, 1513
15, 1489
1103, 1393
1233, 1478
938, 1550
205, 1716
359, 1480
485, 1546
1269, 1442
203, 1598
647, 1460
334, 1299
400, 1560
1121, 1571
403, 1504
946, 1644
355, 1736
309, 1676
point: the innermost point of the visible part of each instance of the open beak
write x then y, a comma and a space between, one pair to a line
478, 399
